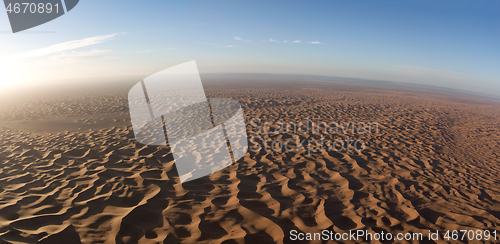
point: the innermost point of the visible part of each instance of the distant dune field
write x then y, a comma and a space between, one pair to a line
72, 172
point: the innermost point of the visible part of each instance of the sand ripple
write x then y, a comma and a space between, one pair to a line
432, 166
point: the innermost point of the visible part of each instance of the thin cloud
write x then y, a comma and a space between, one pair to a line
81, 55
227, 46
241, 39
146, 51
286, 41
65, 46
272, 40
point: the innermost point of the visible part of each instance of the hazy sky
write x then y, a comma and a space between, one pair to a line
450, 43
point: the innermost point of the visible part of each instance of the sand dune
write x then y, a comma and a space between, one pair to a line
82, 178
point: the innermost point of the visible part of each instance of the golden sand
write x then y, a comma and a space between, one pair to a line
72, 171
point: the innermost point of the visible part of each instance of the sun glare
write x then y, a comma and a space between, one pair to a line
6, 76
11, 76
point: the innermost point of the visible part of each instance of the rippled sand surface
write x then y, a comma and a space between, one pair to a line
72, 172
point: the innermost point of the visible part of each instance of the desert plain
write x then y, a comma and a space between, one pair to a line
72, 172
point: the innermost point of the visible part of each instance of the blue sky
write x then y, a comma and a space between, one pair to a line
450, 43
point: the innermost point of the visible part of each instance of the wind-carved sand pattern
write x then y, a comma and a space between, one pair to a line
432, 165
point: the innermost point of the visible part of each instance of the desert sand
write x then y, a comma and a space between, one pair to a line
72, 171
